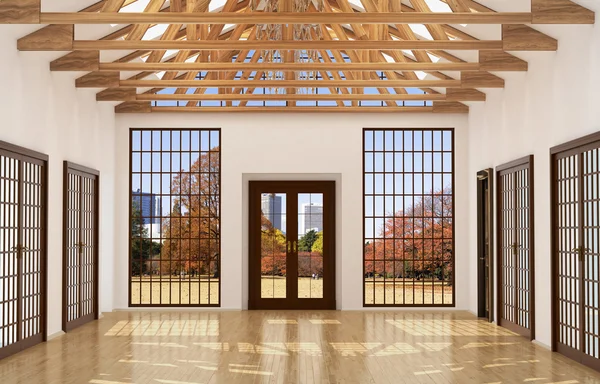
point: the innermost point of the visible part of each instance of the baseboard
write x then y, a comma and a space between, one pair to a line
55, 335
540, 344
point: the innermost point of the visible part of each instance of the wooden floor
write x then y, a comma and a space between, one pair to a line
290, 347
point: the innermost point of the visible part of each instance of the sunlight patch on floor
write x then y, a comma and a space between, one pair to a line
449, 328
282, 321
165, 328
325, 322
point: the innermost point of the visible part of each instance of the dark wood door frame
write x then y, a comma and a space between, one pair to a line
256, 188
511, 168
485, 250
83, 172
572, 148
24, 155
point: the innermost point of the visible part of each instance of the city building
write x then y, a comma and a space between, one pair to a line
272, 209
311, 219
148, 205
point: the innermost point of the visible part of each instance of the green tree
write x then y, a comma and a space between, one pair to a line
306, 242
143, 249
317, 246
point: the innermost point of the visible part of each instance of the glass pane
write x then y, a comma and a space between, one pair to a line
273, 241
310, 245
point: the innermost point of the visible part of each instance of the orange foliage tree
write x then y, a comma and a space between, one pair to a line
272, 249
192, 231
416, 242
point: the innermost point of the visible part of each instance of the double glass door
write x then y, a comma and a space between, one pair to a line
292, 251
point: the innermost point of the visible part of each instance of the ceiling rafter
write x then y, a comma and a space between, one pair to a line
372, 47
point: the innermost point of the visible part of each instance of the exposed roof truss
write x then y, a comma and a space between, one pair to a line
373, 55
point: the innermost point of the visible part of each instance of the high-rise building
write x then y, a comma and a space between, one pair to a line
312, 218
149, 206
271, 209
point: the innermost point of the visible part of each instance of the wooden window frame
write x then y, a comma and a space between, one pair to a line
454, 226
219, 261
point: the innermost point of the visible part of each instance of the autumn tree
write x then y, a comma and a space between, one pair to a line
272, 249
192, 231
416, 242
317, 246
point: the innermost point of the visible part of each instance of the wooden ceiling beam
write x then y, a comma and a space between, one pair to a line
353, 109
128, 94
20, 12
231, 45
449, 107
543, 12
483, 80
77, 61
59, 37
321, 66
292, 18
500, 61
438, 107
98, 80
516, 37
560, 11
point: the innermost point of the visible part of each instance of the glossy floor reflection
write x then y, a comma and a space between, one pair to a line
291, 347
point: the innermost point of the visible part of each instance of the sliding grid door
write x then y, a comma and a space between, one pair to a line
22, 248
409, 225
175, 242
515, 246
576, 249
80, 245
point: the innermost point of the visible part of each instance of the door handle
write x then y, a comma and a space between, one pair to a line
296, 246
515, 248
288, 248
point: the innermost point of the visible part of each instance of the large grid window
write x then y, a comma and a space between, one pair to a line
408, 249
175, 217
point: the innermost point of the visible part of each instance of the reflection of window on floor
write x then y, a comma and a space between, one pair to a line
175, 217
408, 207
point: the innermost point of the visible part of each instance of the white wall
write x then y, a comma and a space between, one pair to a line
259, 146
556, 101
43, 111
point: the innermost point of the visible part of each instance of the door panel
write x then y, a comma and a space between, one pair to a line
292, 247
590, 202
568, 258
80, 249
485, 240
515, 247
22, 248
310, 245
273, 246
